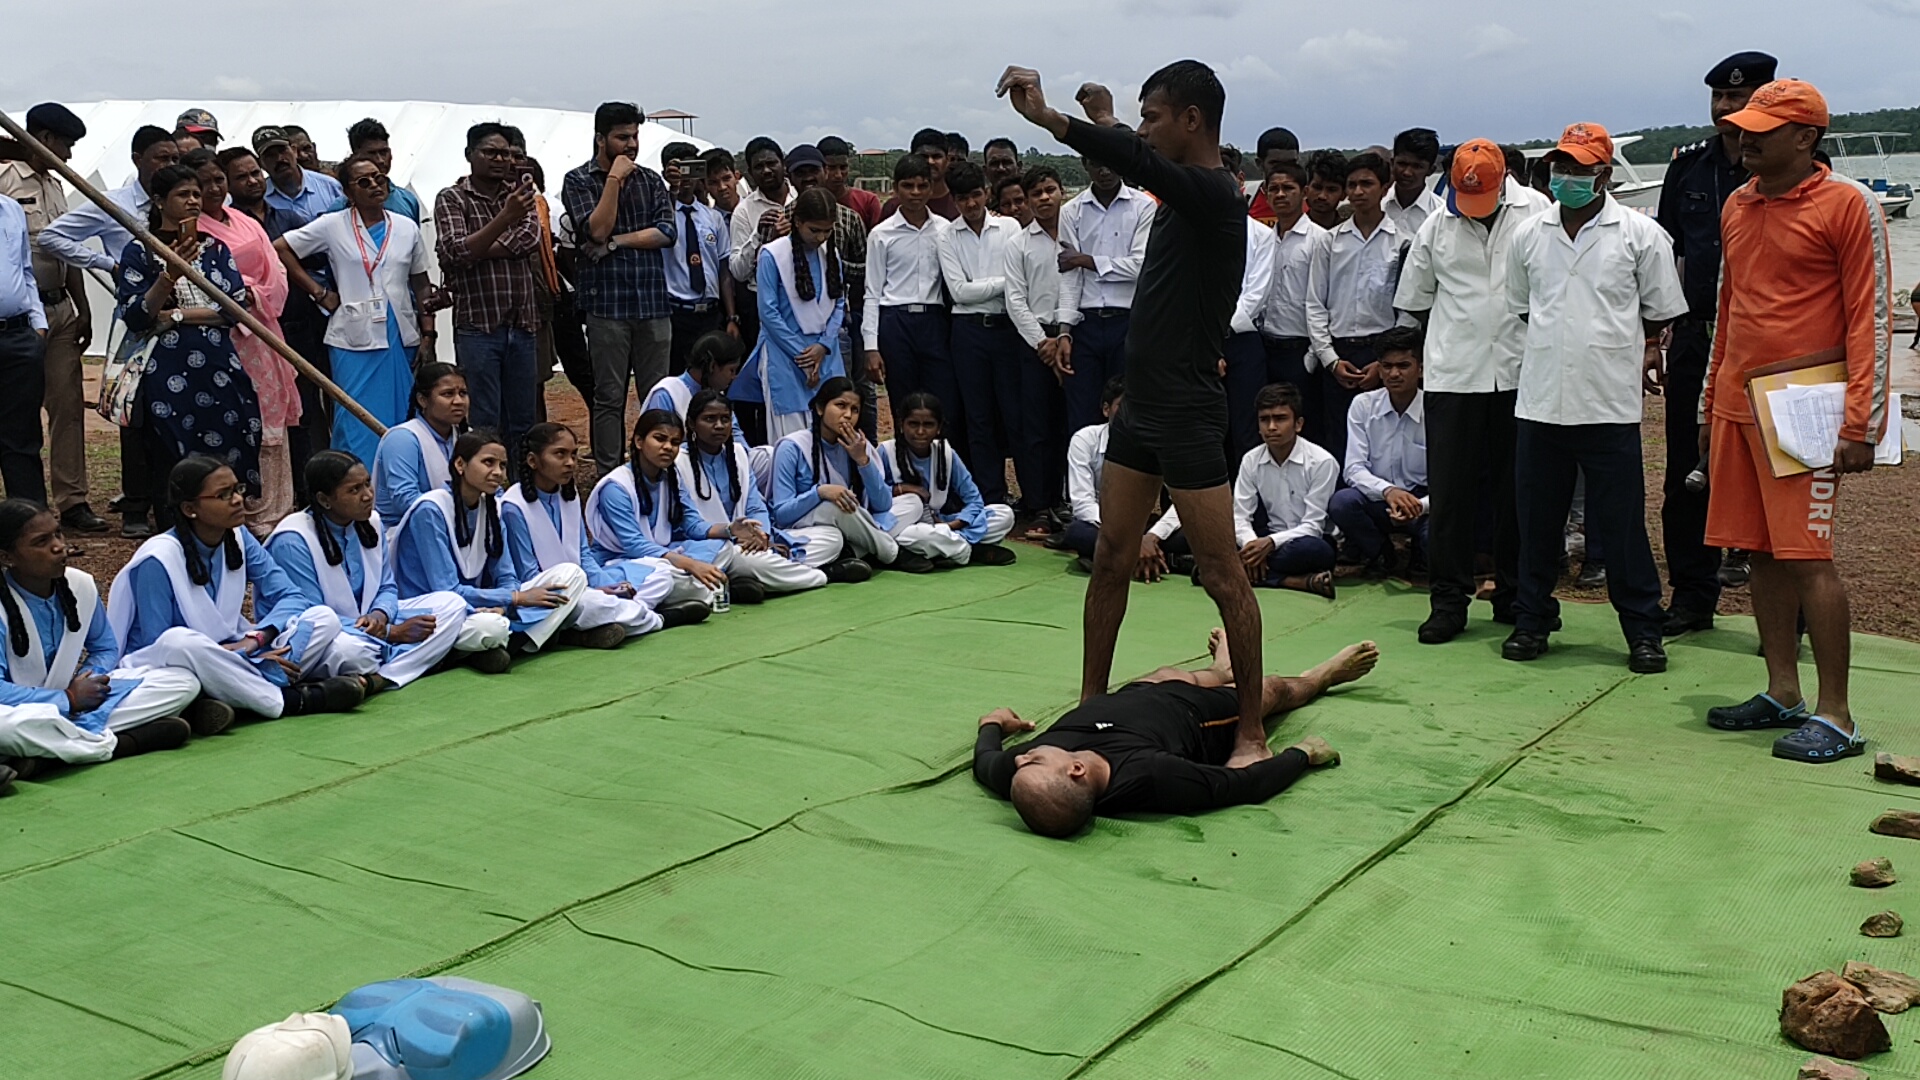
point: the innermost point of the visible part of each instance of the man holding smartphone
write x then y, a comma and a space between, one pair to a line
487, 229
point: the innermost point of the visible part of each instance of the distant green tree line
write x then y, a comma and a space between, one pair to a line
1657, 144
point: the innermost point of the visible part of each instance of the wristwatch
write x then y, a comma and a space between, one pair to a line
613, 244
178, 316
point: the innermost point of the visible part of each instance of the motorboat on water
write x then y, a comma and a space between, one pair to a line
1850, 158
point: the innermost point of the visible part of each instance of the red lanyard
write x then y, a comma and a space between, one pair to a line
380, 254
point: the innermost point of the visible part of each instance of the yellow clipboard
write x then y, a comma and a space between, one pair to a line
1825, 366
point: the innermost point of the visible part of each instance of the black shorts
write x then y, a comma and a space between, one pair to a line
1185, 446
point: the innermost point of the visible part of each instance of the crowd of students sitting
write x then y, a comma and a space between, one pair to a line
434, 556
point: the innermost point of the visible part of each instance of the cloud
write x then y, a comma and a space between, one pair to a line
1494, 40
1905, 8
1184, 9
1248, 69
1352, 50
1679, 20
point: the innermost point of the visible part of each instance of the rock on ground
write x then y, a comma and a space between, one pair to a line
1901, 823
1884, 924
1829, 1015
1899, 768
1873, 874
1887, 991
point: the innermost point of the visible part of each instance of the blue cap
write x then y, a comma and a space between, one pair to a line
1742, 71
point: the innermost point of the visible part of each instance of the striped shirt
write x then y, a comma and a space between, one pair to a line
1802, 272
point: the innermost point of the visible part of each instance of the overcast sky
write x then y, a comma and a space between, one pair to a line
875, 72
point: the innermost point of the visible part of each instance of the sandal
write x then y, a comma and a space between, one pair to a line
1818, 740
1758, 711
1321, 584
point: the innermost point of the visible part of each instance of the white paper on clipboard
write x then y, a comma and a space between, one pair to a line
1807, 421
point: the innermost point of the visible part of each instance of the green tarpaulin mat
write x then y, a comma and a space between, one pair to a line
753, 849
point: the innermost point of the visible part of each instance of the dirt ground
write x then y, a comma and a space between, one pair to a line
1877, 526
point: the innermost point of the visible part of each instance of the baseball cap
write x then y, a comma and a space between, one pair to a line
1478, 173
1783, 101
270, 135
1588, 144
805, 155
197, 120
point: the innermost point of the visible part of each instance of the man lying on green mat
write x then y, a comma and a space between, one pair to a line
1158, 745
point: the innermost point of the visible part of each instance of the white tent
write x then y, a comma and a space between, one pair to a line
429, 142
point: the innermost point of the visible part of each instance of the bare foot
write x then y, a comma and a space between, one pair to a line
1217, 648
1317, 751
1246, 752
1351, 663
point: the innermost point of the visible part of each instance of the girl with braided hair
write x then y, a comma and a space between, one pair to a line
719, 501
334, 554
636, 521
180, 603
546, 527
713, 363
802, 305
829, 491
451, 540
63, 693
937, 508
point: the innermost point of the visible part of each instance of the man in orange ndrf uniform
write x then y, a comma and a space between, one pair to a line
1806, 269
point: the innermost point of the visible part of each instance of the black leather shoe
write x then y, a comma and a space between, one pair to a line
81, 518
991, 555
849, 571
1521, 645
1442, 627
911, 562
1681, 621
746, 591
1593, 575
682, 613
1647, 657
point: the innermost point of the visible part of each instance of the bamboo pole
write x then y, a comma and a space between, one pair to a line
234, 311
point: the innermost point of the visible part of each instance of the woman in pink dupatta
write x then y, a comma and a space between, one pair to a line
272, 376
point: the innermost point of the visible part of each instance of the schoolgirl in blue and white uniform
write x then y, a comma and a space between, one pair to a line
333, 553
636, 522
937, 508
416, 457
829, 491
719, 501
63, 693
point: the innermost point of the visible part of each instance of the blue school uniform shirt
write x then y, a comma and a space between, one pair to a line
276, 602
781, 339
296, 561
423, 562
630, 541
102, 655
527, 561
660, 399
796, 491
963, 495
754, 509
400, 471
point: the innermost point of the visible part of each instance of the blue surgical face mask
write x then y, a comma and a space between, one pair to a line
1572, 192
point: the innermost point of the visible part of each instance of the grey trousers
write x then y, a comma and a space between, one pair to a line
622, 351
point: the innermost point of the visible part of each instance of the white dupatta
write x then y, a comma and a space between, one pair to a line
470, 560
33, 668
553, 547
811, 315
336, 587
218, 616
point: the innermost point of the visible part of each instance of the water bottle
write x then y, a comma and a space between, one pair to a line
721, 601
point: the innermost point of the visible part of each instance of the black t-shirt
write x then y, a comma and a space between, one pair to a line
1167, 744
1196, 256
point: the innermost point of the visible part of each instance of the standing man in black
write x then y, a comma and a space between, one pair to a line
1696, 187
1172, 425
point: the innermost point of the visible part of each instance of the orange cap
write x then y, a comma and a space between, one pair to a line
1782, 101
1588, 144
1479, 170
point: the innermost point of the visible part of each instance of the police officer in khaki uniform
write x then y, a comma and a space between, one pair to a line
69, 318
1697, 185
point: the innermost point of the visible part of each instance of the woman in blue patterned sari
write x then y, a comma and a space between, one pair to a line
195, 398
